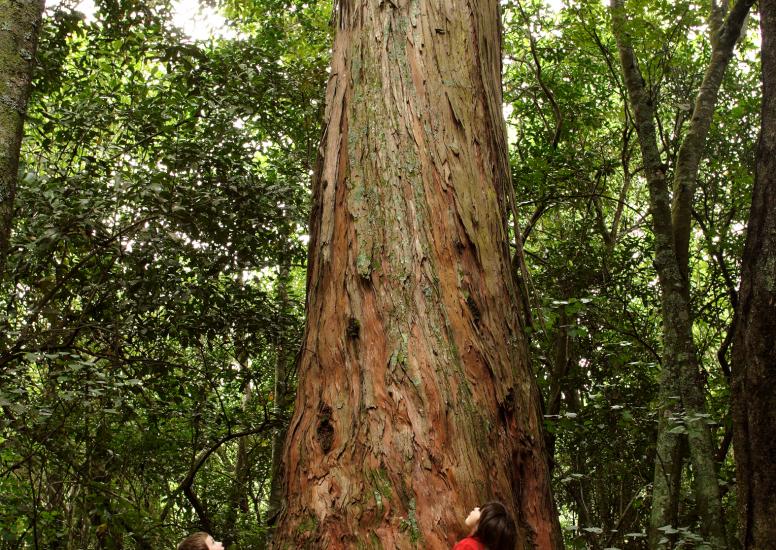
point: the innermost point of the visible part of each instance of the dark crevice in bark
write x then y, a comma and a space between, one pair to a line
325, 430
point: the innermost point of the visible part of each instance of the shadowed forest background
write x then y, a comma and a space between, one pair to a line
152, 294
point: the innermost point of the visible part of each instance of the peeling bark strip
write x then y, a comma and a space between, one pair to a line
19, 27
754, 355
416, 400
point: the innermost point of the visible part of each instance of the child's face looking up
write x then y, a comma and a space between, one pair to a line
473, 518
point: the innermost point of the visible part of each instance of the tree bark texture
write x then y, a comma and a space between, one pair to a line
20, 22
415, 398
682, 394
754, 354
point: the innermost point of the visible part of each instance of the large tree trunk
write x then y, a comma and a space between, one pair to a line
19, 27
754, 355
671, 225
416, 400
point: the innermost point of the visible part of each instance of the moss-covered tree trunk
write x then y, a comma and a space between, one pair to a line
19, 27
754, 353
415, 398
682, 387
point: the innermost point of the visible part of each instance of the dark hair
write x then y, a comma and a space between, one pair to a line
496, 528
197, 541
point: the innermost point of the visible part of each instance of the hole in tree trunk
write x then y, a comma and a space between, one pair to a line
354, 328
325, 431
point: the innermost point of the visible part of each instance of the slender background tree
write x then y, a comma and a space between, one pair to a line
19, 28
682, 386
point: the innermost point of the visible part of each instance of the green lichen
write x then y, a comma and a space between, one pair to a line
381, 483
399, 356
307, 525
372, 543
379, 501
376, 263
363, 264
410, 524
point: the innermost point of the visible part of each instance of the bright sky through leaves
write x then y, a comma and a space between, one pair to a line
196, 21
200, 22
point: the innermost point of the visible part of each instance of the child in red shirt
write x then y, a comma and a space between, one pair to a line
492, 529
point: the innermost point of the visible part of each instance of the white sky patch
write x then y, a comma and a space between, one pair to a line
507, 109
86, 7
196, 21
556, 5
200, 22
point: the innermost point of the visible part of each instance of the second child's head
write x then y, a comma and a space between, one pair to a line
493, 526
200, 541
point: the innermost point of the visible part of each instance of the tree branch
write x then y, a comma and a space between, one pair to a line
538, 72
187, 482
689, 156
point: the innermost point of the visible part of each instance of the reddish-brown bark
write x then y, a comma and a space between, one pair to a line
754, 354
415, 399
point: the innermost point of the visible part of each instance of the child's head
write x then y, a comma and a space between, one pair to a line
493, 526
200, 541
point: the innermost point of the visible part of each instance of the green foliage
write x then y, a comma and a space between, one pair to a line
164, 185
589, 245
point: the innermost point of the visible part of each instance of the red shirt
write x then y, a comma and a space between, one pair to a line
469, 543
